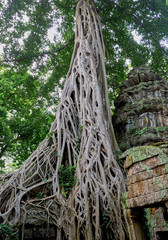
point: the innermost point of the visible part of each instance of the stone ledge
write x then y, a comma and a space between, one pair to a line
148, 200
144, 175
147, 176
141, 153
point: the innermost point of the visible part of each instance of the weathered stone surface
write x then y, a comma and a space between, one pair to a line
147, 165
160, 183
140, 188
141, 118
133, 178
37, 224
139, 154
157, 223
141, 115
148, 200
38, 216
40, 232
147, 175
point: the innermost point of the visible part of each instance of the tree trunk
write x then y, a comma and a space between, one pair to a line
81, 135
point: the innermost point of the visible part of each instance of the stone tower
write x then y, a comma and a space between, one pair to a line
141, 115
141, 127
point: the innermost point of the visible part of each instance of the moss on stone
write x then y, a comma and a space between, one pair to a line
142, 131
160, 144
122, 145
132, 130
151, 130
161, 129
166, 167
138, 154
124, 199
144, 103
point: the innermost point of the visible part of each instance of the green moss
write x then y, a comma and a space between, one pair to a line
149, 223
143, 130
138, 154
160, 144
132, 130
150, 131
124, 199
161, 129
122, 145
166, 167
144, 104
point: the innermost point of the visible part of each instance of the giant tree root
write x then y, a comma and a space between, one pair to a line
81, 135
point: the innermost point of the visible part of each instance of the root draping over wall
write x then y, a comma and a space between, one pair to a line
82, 136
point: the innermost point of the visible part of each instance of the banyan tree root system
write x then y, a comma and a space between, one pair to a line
82, 136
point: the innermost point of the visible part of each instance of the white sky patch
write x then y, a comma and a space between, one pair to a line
164, 43
21, 43
128, 61
25, 18
136, 37
128, 64
53, 32
8, 164
1, 49
21, 40
26, 34
4, 2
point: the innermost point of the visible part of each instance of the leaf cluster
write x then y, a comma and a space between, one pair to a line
7, 232
24, 119
39, 195
66, 177
106, 217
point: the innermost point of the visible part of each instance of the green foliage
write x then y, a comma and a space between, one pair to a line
7, 232
33, 66
78, 139
24, 120
148, 223
106, 217
124, 199
39, 195
66, 177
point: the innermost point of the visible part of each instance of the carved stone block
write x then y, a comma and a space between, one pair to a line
141, 115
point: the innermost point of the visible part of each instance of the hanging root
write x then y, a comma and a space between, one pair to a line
81, 136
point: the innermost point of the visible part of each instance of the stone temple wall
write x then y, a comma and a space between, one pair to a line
141, 115
141, 127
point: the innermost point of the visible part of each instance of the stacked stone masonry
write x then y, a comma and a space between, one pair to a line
147, 176
141, 115
141, 127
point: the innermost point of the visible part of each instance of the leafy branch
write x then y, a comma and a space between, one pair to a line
39, 54
66, 177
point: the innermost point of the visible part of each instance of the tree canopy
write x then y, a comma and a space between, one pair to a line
34, 65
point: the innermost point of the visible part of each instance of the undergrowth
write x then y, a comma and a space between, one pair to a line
7, 232
66, 177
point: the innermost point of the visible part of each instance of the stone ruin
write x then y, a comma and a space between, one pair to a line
141, 127
147, 186
141, 115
